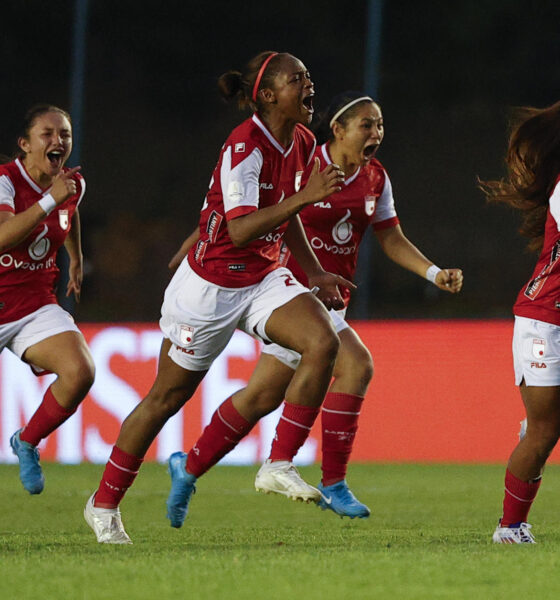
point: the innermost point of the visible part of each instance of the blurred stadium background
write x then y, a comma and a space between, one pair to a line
151, 124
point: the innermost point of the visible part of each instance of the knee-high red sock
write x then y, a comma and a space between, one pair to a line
119, 474
225, 430
292, 430
48, 416
518, 498
339, 420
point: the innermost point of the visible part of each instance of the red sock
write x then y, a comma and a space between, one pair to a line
518, 497
292, 430
339, 419
120, 472
226, 429
45, 420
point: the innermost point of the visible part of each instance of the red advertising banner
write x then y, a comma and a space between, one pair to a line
442, 391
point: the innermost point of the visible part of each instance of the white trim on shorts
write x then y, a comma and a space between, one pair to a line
199, 317
536, 352
291, 358
35, 327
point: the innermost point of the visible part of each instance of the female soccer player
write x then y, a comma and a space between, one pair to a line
232, 279
353, 125
39, 201
533, 187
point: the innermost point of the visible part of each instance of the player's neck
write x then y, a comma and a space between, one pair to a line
281, 128
39, 177
341, 158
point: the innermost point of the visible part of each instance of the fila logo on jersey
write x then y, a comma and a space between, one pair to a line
266, 186
63, 220
323, 205
536, 365
240, 147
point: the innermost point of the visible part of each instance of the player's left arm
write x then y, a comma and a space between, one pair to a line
317, 277
402, 251
73, 245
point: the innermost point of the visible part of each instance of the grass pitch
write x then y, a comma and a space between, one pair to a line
428, 537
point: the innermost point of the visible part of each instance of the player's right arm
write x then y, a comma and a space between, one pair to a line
14, 228
248, 227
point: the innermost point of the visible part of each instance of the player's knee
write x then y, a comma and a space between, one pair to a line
165, 402
543, 435
78, 376
322, 346
259, 403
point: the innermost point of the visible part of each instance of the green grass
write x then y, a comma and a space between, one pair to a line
428, 537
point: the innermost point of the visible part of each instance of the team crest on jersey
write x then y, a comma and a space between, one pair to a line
370, 205
186, 334
240, 147
297, 183
538, 348
63, 219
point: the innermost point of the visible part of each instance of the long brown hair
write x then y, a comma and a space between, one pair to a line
533, 162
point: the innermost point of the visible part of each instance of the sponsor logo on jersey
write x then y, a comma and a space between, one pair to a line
370, 205
200, 251
342, 231
266, 186
536, 365
297, 182
537, 283
40, 246
63, 219
538, 348
214, 221
186, 333
323, 205
240, 147
8, 262
319, 244
237, 267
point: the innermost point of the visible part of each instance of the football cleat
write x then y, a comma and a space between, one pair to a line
106, 524
516, 533
341, 500
30, 472
281, 477
182, 488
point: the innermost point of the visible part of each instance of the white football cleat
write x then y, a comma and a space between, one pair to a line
518, 533
281, 477
106, 524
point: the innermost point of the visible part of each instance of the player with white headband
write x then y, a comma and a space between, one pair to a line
353, 130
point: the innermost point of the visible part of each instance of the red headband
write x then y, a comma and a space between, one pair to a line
261, 73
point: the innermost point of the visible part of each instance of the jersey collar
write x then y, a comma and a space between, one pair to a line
328, 160
29, 179
271, 138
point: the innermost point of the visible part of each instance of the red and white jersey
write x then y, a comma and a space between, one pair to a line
540, 298
253, 171
336, 225
28, 271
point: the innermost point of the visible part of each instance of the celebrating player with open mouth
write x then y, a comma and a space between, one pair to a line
39, 201
232, 279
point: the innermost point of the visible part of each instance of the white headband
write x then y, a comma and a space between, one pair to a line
346, 107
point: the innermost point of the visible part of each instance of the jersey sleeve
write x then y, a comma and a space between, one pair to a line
239, 177
555, 204
82, 183
385, 213
7, 194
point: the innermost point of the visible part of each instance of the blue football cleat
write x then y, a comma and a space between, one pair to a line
182, 488
341, 500
30, 472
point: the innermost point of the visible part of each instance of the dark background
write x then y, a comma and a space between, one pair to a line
153, 125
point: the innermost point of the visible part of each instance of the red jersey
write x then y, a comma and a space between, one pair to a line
335, 226
253, 171
28, 271
540, 298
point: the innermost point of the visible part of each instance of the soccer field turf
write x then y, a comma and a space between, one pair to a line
429, 536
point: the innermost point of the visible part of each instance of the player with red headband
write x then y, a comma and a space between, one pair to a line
533, 187
353, 128
232, 278
39, 200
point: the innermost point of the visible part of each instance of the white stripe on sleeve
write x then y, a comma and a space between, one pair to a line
386, 203
240, 185
7, 191
555, 205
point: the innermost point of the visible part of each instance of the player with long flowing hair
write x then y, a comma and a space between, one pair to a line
533, 188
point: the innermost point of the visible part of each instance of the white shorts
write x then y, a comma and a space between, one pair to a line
35, 327
291, 358
536, 352
199, 317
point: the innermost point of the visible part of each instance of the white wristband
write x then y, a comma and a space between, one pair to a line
47, 203
432, 272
